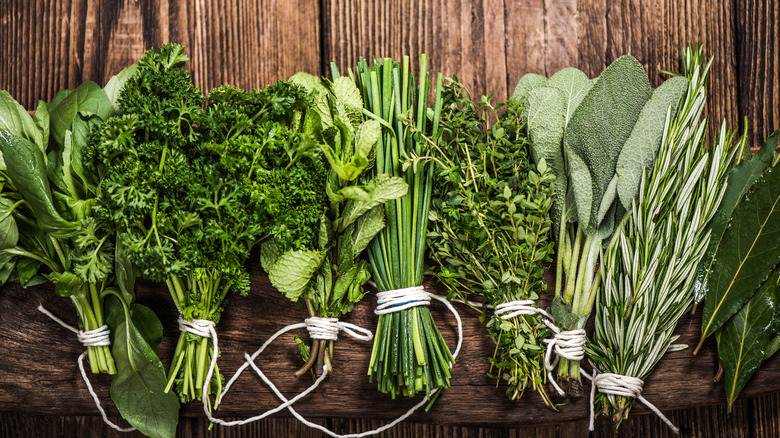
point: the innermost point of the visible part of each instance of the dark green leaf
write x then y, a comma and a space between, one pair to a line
88, 98
9, 231
15, 119
138, 387
747, 252
68, 284
27, 170
124, 271
742, 176
744, 338
26, 270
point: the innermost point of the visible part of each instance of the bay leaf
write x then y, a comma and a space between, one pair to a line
741, 177
744, 338
746, 254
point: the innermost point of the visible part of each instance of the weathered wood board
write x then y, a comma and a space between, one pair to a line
39, 365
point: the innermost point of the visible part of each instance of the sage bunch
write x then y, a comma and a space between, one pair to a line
648, 270
598, 136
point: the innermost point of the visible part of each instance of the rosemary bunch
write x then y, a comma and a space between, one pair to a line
409, 353
649, 268
490, 227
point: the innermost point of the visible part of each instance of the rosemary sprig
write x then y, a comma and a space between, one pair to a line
649, 268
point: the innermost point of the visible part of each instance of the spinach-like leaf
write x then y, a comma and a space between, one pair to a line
124, 272
138, 388
88, 98
744, 338
27, 170
15, 119
746, 254
742, 176
9, 231
68, 284
115, 84
599, 128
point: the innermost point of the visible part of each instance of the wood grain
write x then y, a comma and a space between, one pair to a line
758, 23
53, 45
38, 366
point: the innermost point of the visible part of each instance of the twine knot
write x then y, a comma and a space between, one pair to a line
623, 386
328, 329
401, 299
197, 327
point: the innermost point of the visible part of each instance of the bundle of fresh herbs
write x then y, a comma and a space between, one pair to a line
183, 188
598, 137
649, 269
52, 231
739, 276
326, 271
489, 228
409, 353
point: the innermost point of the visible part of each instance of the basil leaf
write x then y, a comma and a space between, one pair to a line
138, 388
88, 98
746, 254
27, 170
68, 284
115, 84
744, 338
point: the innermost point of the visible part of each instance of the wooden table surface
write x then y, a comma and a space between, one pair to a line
38, 372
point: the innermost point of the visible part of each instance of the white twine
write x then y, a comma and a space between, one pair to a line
511, 309
318, 328
394, 301
401, 299
198, 327
90, 338
625, 386
567, 344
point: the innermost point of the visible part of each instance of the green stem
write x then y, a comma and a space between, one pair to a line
571, 276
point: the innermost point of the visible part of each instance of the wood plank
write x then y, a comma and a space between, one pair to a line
759, 66
53, 45
540, 36
38, 366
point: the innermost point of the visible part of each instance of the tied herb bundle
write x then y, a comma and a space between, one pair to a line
52, 231
490, 226
598, 136
409, 353
177, 187
326, 271
649, 268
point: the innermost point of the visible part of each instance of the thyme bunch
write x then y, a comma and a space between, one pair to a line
490, 227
